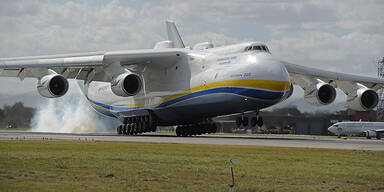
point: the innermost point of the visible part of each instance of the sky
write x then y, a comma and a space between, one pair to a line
344, 36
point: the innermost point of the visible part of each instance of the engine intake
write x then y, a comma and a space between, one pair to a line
126, 84
363, 100
52, 86
321, 94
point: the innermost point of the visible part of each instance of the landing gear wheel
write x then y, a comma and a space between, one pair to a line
119, 131
260, 121
238, 121
254, 121
131, 129
139, 127
134, 129
245, 121
125, 127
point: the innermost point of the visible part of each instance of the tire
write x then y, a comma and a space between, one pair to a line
245, 121
134, 128
178, 131
130, 129
125, 128
119, 131
254, 121
238, 121
260, 122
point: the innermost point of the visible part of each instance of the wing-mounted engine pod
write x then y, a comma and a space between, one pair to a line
316, 91
320, 94
126, 84
363, 99
164, 45
52, 86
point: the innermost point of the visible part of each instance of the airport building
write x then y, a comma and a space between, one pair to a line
301, 125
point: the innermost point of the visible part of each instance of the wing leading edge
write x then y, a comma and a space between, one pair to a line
329, 76
79, 66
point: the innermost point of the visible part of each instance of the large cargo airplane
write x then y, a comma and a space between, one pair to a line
367, 129
172, 84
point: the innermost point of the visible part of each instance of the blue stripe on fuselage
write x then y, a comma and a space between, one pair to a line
246, 92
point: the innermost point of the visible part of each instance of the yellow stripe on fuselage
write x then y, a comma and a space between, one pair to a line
270, 85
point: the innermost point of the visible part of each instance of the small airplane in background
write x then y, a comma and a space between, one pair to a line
176, 85
367, 129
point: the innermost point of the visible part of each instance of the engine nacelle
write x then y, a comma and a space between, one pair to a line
202, 46
320, 94
52, 86
370, 134
363, 99
126, 84
164, 45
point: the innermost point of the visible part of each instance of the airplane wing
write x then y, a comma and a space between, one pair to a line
379, 130
330, 76
86, 66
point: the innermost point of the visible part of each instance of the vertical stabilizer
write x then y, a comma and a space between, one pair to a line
173, 34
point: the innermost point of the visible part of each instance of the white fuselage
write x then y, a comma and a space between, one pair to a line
222, 81
355, 127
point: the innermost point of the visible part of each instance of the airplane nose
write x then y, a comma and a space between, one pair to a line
332, 129
273, 69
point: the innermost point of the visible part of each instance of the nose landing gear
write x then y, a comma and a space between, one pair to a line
243, 120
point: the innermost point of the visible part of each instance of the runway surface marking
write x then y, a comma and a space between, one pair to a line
278, 141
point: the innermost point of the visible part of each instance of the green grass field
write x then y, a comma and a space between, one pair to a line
107, 166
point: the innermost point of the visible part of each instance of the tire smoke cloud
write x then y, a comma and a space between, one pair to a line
70, 114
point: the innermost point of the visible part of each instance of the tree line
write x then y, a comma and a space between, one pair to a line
16, 116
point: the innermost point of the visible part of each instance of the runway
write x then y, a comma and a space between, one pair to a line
277, 141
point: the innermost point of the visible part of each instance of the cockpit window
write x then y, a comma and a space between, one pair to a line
264, 48
257, 48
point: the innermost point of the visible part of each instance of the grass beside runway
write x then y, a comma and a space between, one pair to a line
109, 166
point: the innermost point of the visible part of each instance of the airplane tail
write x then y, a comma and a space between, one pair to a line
173, 35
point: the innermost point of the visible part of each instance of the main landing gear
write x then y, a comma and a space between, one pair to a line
244, 121
136, 125
206, 126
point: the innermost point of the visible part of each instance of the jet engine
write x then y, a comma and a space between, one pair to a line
363, 99
126, 84
320, 94
52, 86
